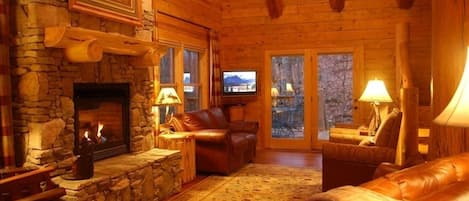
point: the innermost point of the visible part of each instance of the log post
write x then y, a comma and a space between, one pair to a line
87, 51
337, 5
408, 144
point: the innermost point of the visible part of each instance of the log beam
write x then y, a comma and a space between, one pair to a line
77, 39
151, 58
275, 8
405, 4
337, 5
87, 51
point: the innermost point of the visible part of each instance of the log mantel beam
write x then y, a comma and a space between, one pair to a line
405, 4
77, 40
337, 5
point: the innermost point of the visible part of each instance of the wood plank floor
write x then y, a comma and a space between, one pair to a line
312, 159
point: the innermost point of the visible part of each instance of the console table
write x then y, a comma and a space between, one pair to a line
184, 142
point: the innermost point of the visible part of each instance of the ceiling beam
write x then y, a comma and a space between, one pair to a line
275, 8
405, 4
337, 5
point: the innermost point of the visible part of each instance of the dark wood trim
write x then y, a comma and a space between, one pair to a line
337, 5
275, 8
405, 4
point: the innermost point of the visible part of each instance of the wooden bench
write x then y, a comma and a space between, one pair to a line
28, 185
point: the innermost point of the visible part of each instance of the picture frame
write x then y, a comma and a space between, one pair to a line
125, 11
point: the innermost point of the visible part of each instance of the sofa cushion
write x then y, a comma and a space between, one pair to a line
388, 132
218, 118
455, 191
196, 120
349, 193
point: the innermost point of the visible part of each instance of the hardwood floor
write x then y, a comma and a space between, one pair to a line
311, 159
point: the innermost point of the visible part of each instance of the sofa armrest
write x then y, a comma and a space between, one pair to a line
361, 154
212, 135
244, 126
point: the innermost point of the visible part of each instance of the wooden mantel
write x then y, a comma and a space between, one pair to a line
84, 45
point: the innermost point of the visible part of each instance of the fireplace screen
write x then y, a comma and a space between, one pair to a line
101, 114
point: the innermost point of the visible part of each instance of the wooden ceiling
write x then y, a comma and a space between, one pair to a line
275, 7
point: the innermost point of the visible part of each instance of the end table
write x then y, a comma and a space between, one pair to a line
184, 142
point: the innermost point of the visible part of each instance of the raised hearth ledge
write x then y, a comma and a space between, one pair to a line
151, 175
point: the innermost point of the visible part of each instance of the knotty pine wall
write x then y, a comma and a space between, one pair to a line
206, 13
448, 58
247, 32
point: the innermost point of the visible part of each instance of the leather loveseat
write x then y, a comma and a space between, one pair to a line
441, 179
221, 146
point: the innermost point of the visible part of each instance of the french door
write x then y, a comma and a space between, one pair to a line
307, 92
286, 117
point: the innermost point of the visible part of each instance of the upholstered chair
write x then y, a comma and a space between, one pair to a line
352, 164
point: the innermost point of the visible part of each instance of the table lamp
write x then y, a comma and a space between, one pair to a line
456, 112
167, 97
375, 93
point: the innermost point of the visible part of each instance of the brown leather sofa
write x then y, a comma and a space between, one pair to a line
221, 146
353, 164
442, 179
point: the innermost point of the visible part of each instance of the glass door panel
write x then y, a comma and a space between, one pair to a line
287, 97
335, 91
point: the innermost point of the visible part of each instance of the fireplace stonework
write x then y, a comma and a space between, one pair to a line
43, 83
42, 86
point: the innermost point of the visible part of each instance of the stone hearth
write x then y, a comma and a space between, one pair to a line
152, 175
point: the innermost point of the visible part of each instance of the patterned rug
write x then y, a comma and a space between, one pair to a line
256, 182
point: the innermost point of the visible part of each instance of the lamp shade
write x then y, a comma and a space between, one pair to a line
274, 92
456, 112
376, 92
289, 87
167, 96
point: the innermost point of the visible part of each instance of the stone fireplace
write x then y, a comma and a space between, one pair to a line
101, 113
45, 86
55, 102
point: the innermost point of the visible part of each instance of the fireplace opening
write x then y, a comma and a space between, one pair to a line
102, 115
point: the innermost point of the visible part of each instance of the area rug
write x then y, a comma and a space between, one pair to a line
257, 182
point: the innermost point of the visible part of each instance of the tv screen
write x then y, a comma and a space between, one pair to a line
240, 82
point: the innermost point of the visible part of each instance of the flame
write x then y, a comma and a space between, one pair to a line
86, 135
100, 128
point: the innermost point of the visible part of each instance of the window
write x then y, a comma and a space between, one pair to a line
191, 80
167, 79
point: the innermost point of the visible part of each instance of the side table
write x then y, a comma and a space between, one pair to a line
184, 142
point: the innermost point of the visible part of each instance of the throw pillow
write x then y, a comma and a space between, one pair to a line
388, 132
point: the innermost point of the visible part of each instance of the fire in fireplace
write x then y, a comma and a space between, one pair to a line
102, 114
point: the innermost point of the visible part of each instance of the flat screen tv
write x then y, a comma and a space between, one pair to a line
239, 82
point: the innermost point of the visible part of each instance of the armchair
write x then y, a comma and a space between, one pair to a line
352, 164
221, 146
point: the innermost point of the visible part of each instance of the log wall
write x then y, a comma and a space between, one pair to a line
448, 59
206, 13
247, 31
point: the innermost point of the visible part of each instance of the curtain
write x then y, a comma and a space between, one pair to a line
7, 157
215, 70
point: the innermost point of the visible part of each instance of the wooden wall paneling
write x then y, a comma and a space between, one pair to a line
448, 57
206, 13
174, 31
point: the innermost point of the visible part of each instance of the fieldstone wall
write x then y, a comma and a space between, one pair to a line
43, 81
